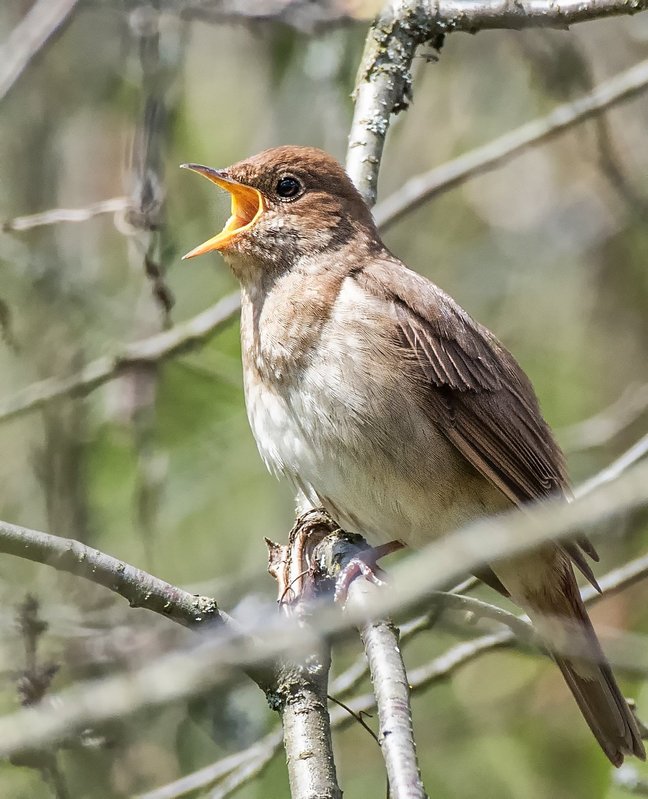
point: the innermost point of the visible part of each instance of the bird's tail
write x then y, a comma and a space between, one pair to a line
558, 614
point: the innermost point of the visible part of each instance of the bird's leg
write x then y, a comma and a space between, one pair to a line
365, 563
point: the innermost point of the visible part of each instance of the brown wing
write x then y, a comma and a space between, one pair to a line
480, 398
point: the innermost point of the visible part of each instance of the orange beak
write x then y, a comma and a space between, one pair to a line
247, 207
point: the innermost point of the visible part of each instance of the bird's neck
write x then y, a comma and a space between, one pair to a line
284, 313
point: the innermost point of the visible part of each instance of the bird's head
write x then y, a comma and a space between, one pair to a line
287, 203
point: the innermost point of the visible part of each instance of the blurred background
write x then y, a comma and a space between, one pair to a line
159, 468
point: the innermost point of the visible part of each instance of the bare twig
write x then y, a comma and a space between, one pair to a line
384, 80
301, 689
420, 189
183, 674
617, 467
304, 15
226, 769
54, 216
43, 20
179, 339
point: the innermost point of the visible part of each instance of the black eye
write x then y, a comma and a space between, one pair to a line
288, 188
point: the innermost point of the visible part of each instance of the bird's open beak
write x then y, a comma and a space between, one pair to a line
247, 206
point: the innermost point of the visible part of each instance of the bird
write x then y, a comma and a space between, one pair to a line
381, 400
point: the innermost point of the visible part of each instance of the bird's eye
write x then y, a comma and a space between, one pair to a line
288, 188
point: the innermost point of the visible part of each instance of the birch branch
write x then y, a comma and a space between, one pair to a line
392, 693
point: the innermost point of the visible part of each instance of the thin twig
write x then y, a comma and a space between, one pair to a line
178, 339
54, 216
43, 20
424, 187
617, 467
258, 754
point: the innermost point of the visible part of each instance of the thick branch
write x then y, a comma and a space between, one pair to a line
184, 336
424, 187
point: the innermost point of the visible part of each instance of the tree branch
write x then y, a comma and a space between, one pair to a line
440, 668
384, 79
392, 694
424, 187
183, 674
142, 590
54, 216
178, 339
43, 20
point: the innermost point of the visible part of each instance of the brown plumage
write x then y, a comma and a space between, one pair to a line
380, 398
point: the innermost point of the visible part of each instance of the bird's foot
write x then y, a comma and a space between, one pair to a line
366, 564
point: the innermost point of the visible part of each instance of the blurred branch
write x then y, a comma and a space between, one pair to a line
182, 674
303, 15
420, 189
178, 339
601, 428
234, 771
616, 468
439, 668
159, 64
43, 20
55, 215
629, 779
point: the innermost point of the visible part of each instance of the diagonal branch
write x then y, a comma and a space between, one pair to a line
178, 339
43, 20
424, 187
440, 668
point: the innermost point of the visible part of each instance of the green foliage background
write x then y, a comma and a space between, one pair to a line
159, 467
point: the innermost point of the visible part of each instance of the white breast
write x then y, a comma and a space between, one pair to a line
346, 432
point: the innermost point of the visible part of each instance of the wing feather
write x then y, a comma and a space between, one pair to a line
474, 390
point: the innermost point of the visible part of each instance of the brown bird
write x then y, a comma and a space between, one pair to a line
381, 400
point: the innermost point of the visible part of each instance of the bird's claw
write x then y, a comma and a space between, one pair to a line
363, 564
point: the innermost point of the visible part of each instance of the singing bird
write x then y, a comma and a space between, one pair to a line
379, 398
